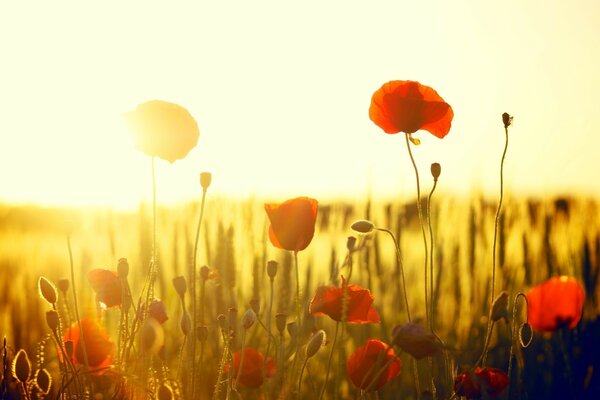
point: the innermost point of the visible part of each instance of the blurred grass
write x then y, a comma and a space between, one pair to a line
538, 238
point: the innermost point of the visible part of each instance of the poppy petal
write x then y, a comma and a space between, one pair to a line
555, 303
292, 223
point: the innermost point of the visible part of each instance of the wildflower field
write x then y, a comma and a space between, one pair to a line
368, 298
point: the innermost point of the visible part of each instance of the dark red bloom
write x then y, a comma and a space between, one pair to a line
107, 286
292, 223
329, 301
373, 365
163, 129
556, 303
251, 375
158, 311
469, 384
98, 346
408, 106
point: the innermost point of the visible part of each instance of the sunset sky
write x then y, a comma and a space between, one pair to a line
281, 93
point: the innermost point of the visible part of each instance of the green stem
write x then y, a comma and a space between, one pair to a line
298, 304
241, 366
264, 369
399, 259
335, 335
301, 375
420, 212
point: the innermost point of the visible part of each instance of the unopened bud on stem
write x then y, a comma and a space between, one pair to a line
362, 226
436, 170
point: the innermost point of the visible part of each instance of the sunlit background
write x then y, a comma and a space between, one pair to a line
281, 92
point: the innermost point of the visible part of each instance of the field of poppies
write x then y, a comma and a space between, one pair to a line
437, 298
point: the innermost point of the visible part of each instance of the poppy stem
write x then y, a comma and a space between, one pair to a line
420, 212
513, 334
301, 374
335, 335
154, 271
399, 259
298, 305
264, 369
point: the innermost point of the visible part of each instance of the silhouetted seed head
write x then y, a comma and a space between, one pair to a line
255, 305
315, 343
204, 273
272, 269
500, 307
205, 179
123, 268
248, 319
180, 286
233, 316
351, 243
152, 336
47, 290
21, 366
292, 329
63, 285
525, 335
507, 119
436, 170
43, 381
363, 226
186, 323
164, 392
52, 320
202, 333
69, 348
280, 322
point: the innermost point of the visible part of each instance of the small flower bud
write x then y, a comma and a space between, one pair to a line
280, 322
363, 226
315, 343
180, 285
525, 335
292, 329
205, 179
186, 323
47, 290
202, 333
204, 273
248, 319
500, 307
507, 119
158, 311
21, 366
272, 268
255, 305
52, 320
123, 268
63, 285
164, 392
43, 381
351, 243
436, 170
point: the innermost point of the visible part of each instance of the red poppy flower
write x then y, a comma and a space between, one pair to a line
292, 223
107, 286
251, 375
162, 129
556, 303
373, 365
329, 301
98, 346
469, 384
408, 106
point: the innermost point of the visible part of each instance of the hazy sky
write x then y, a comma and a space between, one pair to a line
281, 92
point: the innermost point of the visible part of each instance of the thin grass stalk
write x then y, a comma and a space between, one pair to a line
302, 374
269, 312
224, 358
81, 333
241, 366
335, 335
298, 303
514, 333
193, 293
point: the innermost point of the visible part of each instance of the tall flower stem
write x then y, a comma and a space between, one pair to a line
335, 335
420, 212
496, 222
241, 366
269, 312
298, 303
193, 293
81, 332
154, 263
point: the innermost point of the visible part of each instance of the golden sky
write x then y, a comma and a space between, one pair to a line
281, 92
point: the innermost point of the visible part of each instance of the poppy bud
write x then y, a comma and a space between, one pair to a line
47, 290
363, 226
205, 179
351, 243
63, 285
202, 333
158, 311
272, 269
43, 381
186, 323
52, 320
21, 366
180, 285
500, 307
292, 329
315, 343
436, 170
506, 119
164, 392
525, 335
204, 272
280, 321
123, 268
255, 305
248, 319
